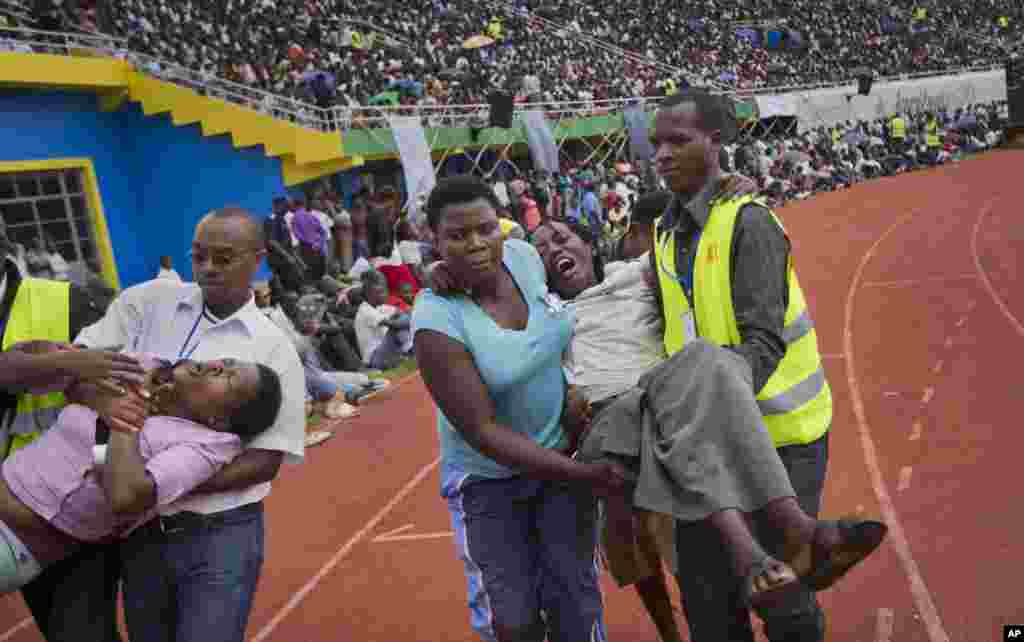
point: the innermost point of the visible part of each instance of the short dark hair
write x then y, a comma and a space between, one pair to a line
714, 112
650, 206
457, 190
373, 278
244, 215
260, 412
355, 295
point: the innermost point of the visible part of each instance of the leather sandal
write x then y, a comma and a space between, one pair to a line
857, 540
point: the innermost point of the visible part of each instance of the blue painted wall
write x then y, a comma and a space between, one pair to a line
156, 180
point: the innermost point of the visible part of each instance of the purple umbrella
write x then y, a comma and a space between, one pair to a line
313, 76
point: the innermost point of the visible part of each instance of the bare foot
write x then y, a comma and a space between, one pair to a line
768, 581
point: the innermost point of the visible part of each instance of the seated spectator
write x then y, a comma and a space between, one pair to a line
382, 330
333, 392
404, 298
397, 275
311, 237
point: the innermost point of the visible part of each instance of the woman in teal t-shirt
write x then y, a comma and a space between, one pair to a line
522, 509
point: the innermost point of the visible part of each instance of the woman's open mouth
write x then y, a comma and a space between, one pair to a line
565, 265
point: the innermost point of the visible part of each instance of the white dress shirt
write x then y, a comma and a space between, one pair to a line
166, 318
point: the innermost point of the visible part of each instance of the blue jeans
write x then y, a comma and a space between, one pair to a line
528, 547
319, 386
391, 352
196, 584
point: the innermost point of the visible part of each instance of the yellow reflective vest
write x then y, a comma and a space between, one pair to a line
898, 128
796, 401
41, 311
494, 29
931, 131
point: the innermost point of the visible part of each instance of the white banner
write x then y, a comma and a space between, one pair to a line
776, 105
413, 150
541, 141
823, 107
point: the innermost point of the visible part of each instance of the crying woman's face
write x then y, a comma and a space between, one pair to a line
568, 260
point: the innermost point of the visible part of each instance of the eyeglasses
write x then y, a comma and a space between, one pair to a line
220, 259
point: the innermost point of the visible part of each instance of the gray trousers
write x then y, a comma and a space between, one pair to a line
710, 592
696, 442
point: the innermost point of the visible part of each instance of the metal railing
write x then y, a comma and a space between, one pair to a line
364, 116
16, 10
76, 44
477, 115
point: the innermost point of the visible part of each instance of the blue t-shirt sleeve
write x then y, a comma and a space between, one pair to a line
432, 312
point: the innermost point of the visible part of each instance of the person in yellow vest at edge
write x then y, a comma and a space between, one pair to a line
898, 134
725, 275
73, 600
931, 137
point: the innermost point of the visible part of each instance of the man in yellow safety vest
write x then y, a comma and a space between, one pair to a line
898, 133
725, 274
76, 598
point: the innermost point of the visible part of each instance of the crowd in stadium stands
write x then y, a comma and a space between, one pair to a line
347, 52
346, 272
824, 159
346, 275
51, 15
412, 51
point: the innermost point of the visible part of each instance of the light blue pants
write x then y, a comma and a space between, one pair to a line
18, 566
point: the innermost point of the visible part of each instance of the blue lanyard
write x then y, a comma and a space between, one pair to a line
686, 278
185, 355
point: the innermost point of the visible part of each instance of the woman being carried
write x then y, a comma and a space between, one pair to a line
57, 492
689, 431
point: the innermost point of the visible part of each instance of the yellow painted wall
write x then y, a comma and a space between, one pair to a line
306, 154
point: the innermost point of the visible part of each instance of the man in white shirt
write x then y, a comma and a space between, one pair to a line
191, 574
381, 330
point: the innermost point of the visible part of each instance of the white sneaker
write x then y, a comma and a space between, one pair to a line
337, 408
317, 437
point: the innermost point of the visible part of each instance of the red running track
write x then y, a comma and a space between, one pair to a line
912, 282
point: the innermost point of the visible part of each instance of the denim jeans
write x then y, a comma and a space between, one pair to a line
319, 386
195, 585
528, 548
391, 352
711, 593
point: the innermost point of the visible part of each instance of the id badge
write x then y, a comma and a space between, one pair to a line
689, 327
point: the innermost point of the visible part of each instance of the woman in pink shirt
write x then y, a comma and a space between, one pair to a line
60, 490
